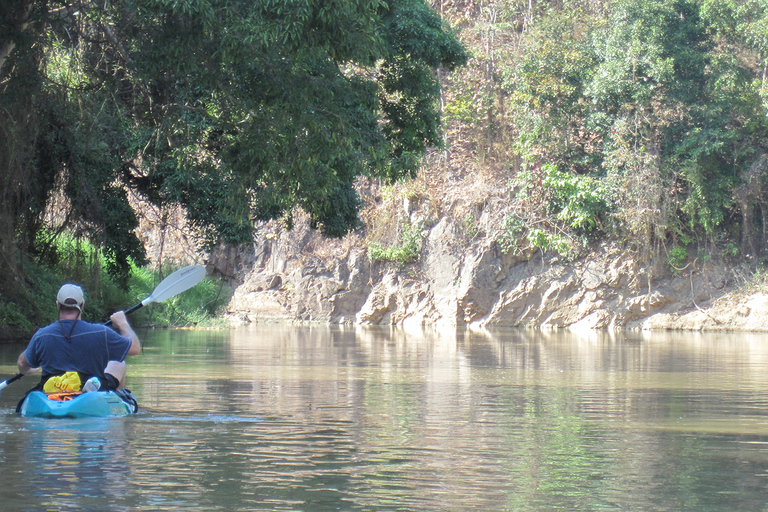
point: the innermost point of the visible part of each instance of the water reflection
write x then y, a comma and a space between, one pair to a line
64, 465
340, 418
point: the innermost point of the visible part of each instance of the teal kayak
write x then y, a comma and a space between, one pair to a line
99, 404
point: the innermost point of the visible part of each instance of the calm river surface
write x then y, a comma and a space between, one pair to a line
329, 418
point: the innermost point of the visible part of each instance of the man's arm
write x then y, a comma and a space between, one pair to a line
24, 366
120, 322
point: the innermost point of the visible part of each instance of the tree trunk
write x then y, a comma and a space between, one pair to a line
18, 119
15, 17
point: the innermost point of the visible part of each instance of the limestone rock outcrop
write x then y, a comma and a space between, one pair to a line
298, 276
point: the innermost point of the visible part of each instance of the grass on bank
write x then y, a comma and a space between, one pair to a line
200, 306
32, 303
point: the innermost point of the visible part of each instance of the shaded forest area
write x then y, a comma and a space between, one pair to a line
238, 111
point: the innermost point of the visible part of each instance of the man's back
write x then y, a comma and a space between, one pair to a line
76, 345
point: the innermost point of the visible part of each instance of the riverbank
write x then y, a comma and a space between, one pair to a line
298, 276
455, 261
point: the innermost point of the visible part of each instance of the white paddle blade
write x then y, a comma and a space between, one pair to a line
181, 280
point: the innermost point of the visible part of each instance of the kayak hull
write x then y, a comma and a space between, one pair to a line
100, 404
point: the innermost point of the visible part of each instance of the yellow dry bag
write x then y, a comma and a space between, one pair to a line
70, 381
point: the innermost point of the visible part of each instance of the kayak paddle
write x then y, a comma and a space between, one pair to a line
179, 281
12, 379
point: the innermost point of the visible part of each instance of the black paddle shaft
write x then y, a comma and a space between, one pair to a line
127, 312
14, 378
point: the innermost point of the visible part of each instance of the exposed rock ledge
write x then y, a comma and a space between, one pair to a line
297, 276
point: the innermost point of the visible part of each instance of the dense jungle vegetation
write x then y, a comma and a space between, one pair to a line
642, 121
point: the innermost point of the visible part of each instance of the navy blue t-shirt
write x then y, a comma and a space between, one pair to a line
88, 350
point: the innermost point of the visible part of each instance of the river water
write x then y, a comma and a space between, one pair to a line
330, 418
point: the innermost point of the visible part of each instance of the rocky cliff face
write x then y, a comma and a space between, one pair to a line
298, 276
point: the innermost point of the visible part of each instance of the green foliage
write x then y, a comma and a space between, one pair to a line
64, 258
546, 89
569, 206
512, 231
651, 106
515, 235
238, 110
731, 250
676, 259
581, 202
470, 225
72, 260
545, 241
462, 109
407, 251
318, 95
13, 319
201, 305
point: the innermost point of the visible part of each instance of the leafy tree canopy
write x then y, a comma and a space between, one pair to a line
239, 110
662, 101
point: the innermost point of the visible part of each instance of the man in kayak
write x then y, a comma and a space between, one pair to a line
74, 345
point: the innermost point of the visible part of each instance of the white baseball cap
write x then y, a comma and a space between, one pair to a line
71, 295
